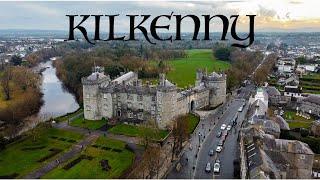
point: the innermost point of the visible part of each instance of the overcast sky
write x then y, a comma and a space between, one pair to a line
287, 14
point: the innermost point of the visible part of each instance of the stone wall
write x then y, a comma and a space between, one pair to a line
217, 92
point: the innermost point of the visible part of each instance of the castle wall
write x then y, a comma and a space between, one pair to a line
91, 102
134, 106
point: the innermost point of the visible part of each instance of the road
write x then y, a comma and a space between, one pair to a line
194, 167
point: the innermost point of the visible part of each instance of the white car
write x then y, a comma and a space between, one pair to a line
219, 149
240, 109
229, 128
208, 167
216, 167
223, 127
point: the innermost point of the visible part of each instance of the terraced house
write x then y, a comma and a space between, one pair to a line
133, 102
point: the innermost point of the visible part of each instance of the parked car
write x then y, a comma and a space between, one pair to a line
223, 138
217, 161
220, 143
219, 149
240, 109
216, 168
219, 134
229, 128
223, 127
208, 167
225, 133
211, 152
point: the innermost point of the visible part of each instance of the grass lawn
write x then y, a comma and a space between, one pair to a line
63, 118
193, 121
86, 169
136, 131
290, 115
314, 76
293, 125
184, 72
15, 160
87, 124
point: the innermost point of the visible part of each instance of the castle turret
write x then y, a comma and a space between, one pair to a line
166, 101
199, 76
218, 88
91, 95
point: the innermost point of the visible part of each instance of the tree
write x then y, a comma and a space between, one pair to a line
5, 80
150, 132
179, 133
25, 77
301, 60
16, 60
114, 70
37, 128
222, 53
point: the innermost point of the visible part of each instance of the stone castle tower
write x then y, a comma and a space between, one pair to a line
166, 100
91, 93
217, 84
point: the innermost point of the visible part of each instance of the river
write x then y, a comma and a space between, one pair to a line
57, 100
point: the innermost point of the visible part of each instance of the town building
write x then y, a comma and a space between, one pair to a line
127, 99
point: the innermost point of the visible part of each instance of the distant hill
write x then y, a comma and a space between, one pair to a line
307, 29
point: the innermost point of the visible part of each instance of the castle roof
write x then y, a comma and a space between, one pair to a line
168, 83
96, 76
124, 77
272, 91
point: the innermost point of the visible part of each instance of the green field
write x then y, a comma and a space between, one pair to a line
135, 131
14, 159
290, 115
293, 124
63, 118
91, 169
87, 124
184, 72
192, 122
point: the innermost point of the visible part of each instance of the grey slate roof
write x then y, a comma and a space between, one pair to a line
272, 91
312, 99
282, 123
96, 76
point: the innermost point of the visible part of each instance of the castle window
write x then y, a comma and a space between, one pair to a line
88, 95
153, 98
119, 97
129, 97
139, 98
153, 115
153, 108
105, 95
129, 104
88, 108
130, 114
140, 106
140, 116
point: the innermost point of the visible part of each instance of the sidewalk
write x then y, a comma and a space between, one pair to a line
74, 150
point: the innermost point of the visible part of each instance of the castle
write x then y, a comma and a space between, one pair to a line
133, 102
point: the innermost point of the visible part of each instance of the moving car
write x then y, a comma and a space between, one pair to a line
211, 152
223, 127
229, 128
219, 134
208, 167
216, 167
220, 143
219, 149
240, 109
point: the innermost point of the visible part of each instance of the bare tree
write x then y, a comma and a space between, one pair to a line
180, 134
5, 80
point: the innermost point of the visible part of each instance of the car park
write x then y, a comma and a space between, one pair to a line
216, 167
211, 152
229, 128
219, 134
219, 149
223, 127
208, 167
